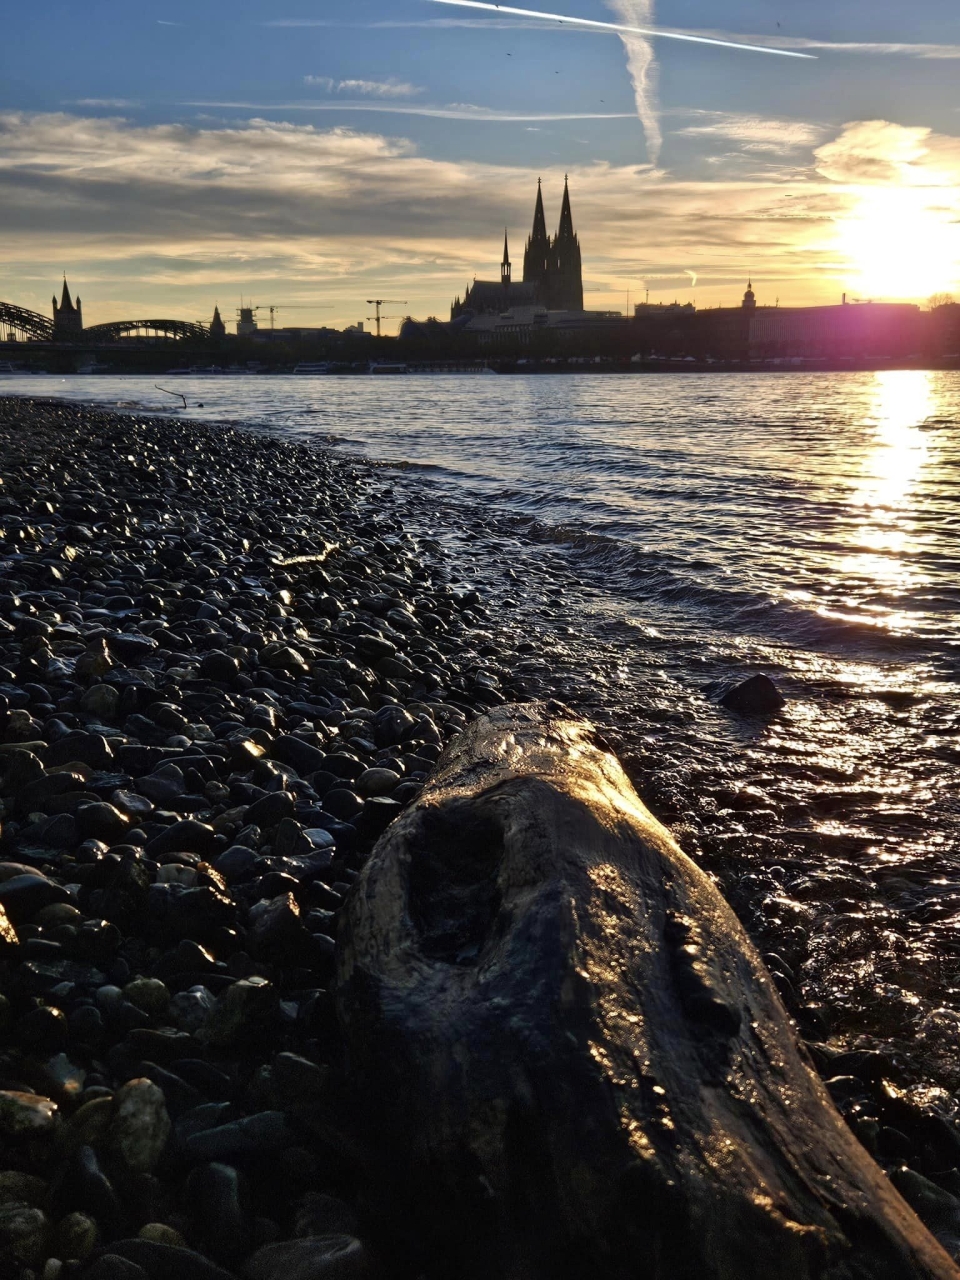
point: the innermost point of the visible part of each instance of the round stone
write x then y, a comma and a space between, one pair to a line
378, 782
140, 1125
25, 1115
148, 994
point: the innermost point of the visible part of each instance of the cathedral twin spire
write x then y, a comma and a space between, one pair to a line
552, 272
554, 266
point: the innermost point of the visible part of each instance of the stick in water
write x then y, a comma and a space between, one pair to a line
172, 393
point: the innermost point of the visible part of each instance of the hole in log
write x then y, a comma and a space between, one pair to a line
454, 894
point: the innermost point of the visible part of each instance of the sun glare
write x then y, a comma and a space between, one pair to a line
900, 242
902, 400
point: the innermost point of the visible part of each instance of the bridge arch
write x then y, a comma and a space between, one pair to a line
172, 330
24, 325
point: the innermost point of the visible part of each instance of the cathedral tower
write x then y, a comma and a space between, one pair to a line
537, 255
567, 290
67, 317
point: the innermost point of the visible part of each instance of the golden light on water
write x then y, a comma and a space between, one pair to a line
881, 527
903, 400
900, 242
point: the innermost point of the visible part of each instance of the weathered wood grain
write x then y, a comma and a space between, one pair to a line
569, 1059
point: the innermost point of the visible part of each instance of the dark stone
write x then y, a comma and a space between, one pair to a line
298, 754
86, 1024
23, 896
277, 932
101, 822
392, 725
138, 759
129, 648
124, 900
179, 1095
378, 782
43, 1029
205, 1077
243, 1013
378, 813
158, 1045
59, 831
36, 794
318, 1214
219, 666
164, 789
343, 804
168, 1262
213, 1194
270, 810
110, 1266
754, 697
374, 648
86, 748
237, 864
330, 1257
82, 1186
342, 765
260, 1134
186, 836
195, 913
298, 1079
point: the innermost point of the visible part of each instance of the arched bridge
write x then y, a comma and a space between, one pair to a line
23, 324
177, 330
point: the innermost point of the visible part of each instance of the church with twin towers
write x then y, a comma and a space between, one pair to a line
552, 271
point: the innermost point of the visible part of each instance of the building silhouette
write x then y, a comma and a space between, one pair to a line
217, 328
67, 317
552, 270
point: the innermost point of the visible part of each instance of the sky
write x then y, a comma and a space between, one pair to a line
313, 154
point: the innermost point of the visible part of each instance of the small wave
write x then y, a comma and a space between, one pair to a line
652, 576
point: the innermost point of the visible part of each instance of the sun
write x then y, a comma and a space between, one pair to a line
900, 242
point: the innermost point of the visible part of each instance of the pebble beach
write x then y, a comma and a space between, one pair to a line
227, 662
224, 667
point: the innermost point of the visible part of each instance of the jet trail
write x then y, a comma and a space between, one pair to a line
621, 29
644, 72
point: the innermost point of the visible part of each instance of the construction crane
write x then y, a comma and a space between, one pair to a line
378, 303
273, 308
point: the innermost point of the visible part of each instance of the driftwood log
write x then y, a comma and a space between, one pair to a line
569, 1058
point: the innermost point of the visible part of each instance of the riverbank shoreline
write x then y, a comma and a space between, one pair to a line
224, 666
228, 661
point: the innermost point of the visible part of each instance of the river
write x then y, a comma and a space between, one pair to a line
660, 537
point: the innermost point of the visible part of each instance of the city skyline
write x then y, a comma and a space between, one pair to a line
324, 157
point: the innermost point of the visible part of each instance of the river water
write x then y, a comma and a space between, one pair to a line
658, 537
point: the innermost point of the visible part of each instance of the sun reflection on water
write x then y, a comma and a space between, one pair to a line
883, 536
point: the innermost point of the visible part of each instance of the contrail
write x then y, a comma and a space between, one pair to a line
693, 277
644, 72
621, 28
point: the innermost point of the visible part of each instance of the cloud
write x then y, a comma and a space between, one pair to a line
901, 48
452, 111
896, 49
365, 88
754, 134
878, 152
117, 104
643, 70
170, 217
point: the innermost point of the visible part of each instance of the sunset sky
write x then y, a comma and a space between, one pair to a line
171, 156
